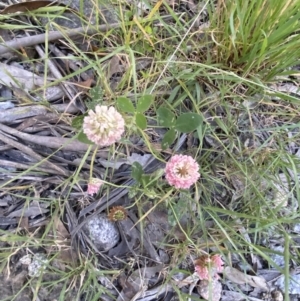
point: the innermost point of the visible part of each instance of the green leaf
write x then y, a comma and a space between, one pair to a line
141, 121
150, 193
188, 122
200, 134
177, 211
145, 180
168, 139
144, 103
137, 171
165, 117
77, 122
171, 218
148, 29
96, 94
125, 105
133, 191
83, 138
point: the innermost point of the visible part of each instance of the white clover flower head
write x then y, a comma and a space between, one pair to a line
105, 126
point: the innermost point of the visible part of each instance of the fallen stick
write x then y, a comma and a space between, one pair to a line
17, 114
52, 142
56, 35
52, 36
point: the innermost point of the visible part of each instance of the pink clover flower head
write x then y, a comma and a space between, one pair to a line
105, 126
208, 267
94, 186
182, 171
217, 262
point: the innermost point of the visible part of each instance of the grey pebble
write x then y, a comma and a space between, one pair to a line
103, 233
294, 283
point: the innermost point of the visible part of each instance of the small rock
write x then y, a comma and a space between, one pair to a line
296, 228
103, 233
37, 265
277, 258
26, 260
294, 283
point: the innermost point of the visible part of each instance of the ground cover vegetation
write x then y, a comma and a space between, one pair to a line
149, 150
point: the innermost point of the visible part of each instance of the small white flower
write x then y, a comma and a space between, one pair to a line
105, 126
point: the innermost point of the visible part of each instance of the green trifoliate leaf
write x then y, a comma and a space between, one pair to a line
96, 94
137, 171
125, 105
141, 121
165, 117
168, 139
188, 122
77, 122
83, 138
144, 103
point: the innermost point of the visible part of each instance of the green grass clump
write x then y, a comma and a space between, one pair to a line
255, 38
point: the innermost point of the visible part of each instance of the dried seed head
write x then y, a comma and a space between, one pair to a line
117, 213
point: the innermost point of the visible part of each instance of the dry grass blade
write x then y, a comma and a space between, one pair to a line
70, 91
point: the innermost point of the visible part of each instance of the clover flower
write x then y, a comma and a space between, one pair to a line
105, 126
208, 267
94, 186
182, 171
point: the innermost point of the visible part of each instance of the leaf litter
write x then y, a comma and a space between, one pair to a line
40, 140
